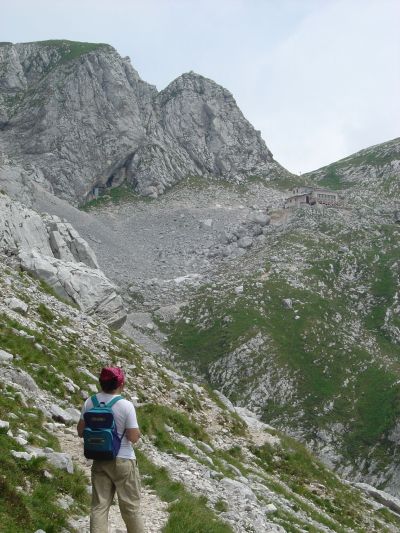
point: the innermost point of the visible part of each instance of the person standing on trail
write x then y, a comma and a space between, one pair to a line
120, 472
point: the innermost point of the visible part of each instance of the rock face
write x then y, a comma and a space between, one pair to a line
86, 286
76, 118
53, 251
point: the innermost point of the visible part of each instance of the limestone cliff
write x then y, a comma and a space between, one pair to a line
76, 118
54, 252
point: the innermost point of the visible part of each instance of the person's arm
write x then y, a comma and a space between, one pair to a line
132, 434
80, 427
81, 424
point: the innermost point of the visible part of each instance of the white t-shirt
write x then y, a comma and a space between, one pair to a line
124, 416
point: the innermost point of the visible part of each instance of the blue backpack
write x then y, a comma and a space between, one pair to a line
100, 437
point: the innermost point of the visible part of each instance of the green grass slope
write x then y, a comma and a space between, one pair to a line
60, 347
327, 365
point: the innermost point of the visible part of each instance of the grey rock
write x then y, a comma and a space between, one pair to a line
270, 508
59, 460
65, 502
287, 303
54, 252
228, 404
87, 287
207, 223
255, 230
245, 242
26, 456
75, 414
61, 415
260, 218
21, 440
240, 231
386, 499
238, 487
17, 305
20, 377
59, 247
5, 357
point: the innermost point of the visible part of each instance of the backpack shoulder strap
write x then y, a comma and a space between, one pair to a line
95, 401
114, 401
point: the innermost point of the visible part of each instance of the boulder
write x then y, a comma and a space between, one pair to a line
87, 287
287, 303
82, 252
17, 305
26, 456
59, 247
228, 404
5, 357
245, 242
59, 460
64, 415
75, 414
4, 426
65, 502
260, 218
19, 377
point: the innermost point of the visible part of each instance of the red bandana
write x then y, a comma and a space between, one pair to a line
113, 372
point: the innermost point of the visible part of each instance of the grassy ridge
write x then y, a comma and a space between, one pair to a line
334, 175
71, 49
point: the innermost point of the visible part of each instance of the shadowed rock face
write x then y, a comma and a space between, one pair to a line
74, 116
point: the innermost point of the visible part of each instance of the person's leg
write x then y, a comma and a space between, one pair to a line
127, 483
103, 490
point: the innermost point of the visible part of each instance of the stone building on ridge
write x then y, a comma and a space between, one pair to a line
303, 196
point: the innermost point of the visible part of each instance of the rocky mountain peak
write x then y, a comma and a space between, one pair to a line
76, 119
196, 83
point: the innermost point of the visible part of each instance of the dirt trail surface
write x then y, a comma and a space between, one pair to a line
154, 511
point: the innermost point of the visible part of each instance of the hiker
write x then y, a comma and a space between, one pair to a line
108, 426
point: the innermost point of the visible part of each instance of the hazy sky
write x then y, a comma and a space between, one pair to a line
319, 78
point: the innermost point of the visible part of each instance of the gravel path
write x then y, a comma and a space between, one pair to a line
154, 510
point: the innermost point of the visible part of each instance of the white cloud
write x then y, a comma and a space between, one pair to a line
333, 84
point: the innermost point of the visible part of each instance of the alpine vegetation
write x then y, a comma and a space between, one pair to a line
244, 321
